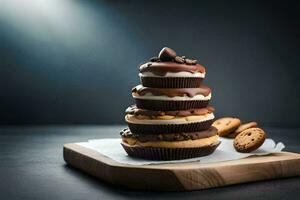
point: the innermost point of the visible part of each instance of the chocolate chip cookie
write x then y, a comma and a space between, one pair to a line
241, 128
249, 140
226, 125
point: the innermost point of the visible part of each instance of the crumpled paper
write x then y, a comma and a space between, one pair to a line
112, 148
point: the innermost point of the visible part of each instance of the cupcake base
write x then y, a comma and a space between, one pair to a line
171, 82
165, 105
157, 153
169, 128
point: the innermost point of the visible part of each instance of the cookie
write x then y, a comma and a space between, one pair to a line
249, 140
226, 125
241, 128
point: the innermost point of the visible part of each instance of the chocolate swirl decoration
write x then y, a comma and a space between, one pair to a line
172, 92
133, 110
212, 131
161, 68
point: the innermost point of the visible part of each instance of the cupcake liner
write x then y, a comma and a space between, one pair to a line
171, 82
169, 128
160, 153
160, 105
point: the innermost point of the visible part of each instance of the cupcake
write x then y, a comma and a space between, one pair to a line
171, 118
171, 71
141, 121
165, 99
171, 146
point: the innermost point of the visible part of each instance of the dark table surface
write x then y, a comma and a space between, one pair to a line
32, 167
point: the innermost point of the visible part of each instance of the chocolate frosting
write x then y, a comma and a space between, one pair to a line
170, 136
172, 92
133, 110
161, 68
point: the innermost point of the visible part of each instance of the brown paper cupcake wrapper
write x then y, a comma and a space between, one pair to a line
159, 105
157, 153
171, 82
169, 128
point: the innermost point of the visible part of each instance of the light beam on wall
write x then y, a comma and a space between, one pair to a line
71, 22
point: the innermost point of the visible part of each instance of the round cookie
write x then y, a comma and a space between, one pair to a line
249, 140
226, 125
241, 128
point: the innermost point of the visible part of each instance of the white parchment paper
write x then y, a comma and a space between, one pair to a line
112, 148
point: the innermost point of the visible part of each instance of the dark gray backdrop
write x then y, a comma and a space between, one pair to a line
76, 61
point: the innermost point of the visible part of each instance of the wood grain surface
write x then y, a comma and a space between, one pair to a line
182, 176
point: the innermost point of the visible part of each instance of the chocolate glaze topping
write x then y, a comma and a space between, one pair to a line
161, 68
172, 92
133, 110
170, 136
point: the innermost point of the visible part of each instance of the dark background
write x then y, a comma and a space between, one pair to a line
74, 62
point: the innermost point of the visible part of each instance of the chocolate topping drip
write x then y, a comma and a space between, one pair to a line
133, 110
170, 136
161, 68
172, 92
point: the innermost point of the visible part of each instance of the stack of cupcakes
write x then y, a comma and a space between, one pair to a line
171, 119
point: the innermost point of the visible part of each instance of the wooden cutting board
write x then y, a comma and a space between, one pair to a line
182, 176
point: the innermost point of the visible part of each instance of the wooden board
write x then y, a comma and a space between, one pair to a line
182, 176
